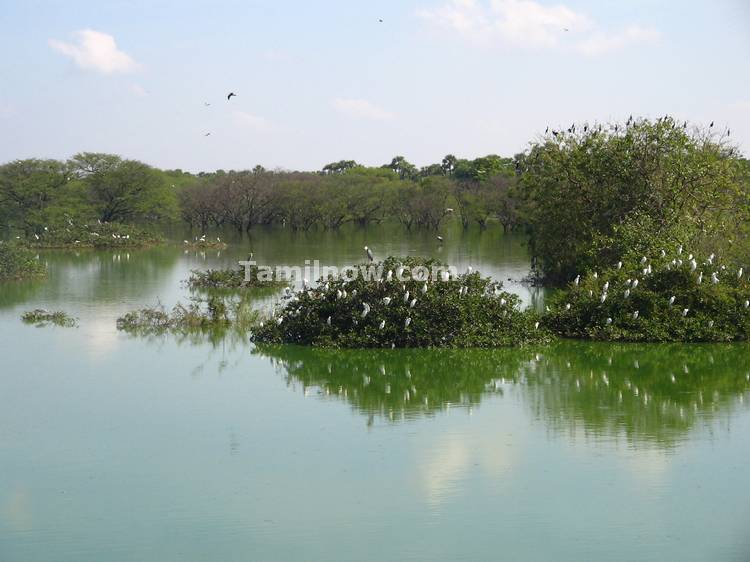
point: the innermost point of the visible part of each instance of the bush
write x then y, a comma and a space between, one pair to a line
230, 279
670, 297
465, 311
104, 235
18, 263
41, 318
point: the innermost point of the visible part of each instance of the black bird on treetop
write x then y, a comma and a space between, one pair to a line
711, 125
230, 95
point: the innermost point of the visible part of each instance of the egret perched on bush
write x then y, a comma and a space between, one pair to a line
365, 309
386, 301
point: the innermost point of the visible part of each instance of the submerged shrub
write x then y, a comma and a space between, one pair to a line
465, 311
230, 279
41, 318
674, 296
212, 313
18, 263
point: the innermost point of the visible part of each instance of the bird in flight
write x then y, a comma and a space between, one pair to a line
206, 103
565, 29
230, 95
380, 20
208, 133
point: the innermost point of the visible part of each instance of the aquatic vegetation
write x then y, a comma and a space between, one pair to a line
41, 318
673, 296
97, 235
17, 263
441, 310
231, 279
212, 313
204, 244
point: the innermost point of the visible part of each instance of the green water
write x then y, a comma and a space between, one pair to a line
177, 448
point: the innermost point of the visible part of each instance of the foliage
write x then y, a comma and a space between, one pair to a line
18, 263
465, 311
98, 235
42, 318
670, 297
587, 189
239, 278
200, 315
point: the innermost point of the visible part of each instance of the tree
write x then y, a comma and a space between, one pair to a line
339, 167
593, 196
404, 168
28, 188
121, 190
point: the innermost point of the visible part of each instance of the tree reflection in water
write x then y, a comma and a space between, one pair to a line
647, 393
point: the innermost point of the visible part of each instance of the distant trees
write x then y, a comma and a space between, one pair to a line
29, 188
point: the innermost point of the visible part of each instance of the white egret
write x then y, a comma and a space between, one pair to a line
567, 306
714, 278
627, 293
619, 265
412, 303
407, 322
536, 325
382, 324
635, 283
577, 280
710, 323
671, 300
700, 278
369, 254
635, 315
739, 273
328, 321
603, 298
606, 286
365, 309
386, 301
424, 288
609, 321
406, 296
685, 312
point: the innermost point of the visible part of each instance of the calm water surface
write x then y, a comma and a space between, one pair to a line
119, 448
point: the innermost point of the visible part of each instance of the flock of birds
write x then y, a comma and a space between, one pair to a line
230, 95
647, 269
666, 119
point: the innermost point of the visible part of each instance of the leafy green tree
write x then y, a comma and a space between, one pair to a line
122, 190
28, 188
404, 168
593, 195
339, 167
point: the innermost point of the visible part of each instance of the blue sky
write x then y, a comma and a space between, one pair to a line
324, 81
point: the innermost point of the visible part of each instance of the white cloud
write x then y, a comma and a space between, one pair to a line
530, 24
517, 22
255, 122
601, 43
96, 51
361, 109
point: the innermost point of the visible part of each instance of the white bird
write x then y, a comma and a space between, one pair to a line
280, 320
406, 296
407, 322
567, 306
609, 321
606, 286
412, 303
635, 315
663, 253
619, 265
389, 276
365, 309
382, 324
328, 321
577, 280
502, 302
685, 312
710, 323
739, 274
424, 288
603, 298
644, 259
700, 278
536, 325
679, 249
714, 278
369, 253
627, 293
693, 265
469, 270
635, 283
386, 301
36, 236
671, 300
440, 238
445, 276
304, 283
596, 275
747, 304
339, 294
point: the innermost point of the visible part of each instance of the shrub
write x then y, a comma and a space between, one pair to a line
104, 235
18, 263
41, 318
670, 297
230, 279
465, 311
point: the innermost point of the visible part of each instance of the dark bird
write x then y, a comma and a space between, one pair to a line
381, 21
616, 127
546, 130
711, 125
206, 103
585, 128
369, 254
207, 134
555, 133
684, 125
230, 95
565, 29
729, 132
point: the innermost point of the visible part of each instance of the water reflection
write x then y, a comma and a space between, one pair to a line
652, 394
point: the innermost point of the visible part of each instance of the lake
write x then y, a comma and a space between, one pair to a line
119, 448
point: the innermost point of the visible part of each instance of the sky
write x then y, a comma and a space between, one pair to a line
323, 81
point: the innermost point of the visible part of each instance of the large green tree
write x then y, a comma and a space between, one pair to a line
593, 195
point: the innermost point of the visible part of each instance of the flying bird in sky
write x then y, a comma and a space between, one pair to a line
206, 103
230, 95
207, 134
